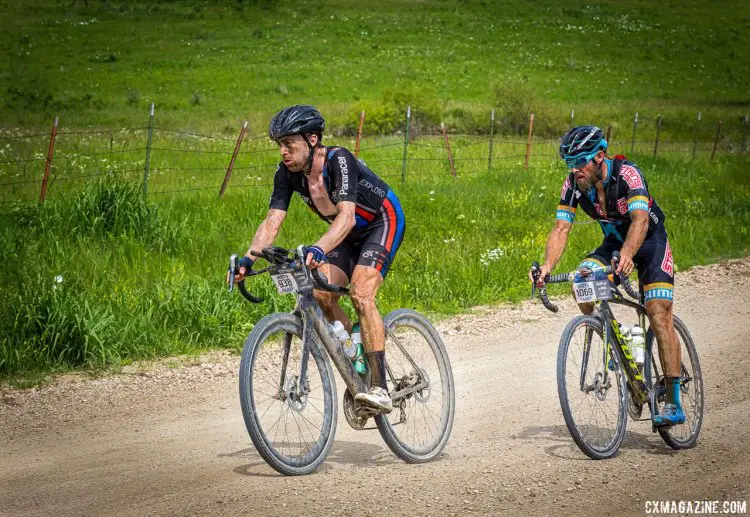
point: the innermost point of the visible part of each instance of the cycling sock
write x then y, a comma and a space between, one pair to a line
673, 390
376, 360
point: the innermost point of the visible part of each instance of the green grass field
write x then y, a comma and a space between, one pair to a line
143, 277
210, 64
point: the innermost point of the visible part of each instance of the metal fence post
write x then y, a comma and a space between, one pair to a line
406, 144
658, 132
448, 148
492, 133
48, 164
234, 157
528, 143
359, 132
635, 129
716, 140
572, 117
148, 149
744, 136
695, 134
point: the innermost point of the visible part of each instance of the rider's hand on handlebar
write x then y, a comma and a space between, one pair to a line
314, 256
245, 264
544, 271
625, 266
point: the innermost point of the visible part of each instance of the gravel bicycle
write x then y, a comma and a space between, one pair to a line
593, 351
287, 388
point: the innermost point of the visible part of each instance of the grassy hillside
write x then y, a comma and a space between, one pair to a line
208, 64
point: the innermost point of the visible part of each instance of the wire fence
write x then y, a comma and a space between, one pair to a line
174, 161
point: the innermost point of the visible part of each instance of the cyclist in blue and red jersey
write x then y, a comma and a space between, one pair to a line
614, 193
366, 228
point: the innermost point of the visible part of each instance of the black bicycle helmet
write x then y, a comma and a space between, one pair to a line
582, 141
299, 119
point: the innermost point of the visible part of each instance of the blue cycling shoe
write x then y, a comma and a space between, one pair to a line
672, 415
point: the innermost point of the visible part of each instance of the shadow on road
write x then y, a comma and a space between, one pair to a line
342, 453
565, 448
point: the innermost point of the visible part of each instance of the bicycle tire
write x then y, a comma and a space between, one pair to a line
576, 432
266, 447
410, 320
669, 434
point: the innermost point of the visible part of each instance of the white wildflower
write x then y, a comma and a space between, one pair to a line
490, 256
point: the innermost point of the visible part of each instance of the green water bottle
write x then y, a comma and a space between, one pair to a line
360, 363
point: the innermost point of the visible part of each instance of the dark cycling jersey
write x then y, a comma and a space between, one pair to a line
626, 191
345, 178
380, 222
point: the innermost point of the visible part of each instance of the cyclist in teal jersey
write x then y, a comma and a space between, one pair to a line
613, 192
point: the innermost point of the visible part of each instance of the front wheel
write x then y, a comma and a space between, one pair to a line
592, 389
421, 421
685, 435
291, 420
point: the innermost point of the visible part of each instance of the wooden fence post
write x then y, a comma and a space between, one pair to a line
635, 128
148, 149
609, 133
528, 143
695, 135
492, 133
234, 157
359, 133
744, 136
406, 144
448, 148
716, 141
658, 132
48, 164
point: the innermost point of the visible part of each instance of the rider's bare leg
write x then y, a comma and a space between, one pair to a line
365, 284
660, 317
329, 302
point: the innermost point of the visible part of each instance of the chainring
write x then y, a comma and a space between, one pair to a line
350, 412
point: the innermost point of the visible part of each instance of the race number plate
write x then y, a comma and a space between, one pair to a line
592, 291
291, 280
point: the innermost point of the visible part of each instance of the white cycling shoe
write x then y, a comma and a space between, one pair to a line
377, 398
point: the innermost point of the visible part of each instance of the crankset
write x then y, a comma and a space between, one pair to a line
356, 417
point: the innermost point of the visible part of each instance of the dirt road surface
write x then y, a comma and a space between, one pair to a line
171, 441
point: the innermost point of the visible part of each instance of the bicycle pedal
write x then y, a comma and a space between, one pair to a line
366, 412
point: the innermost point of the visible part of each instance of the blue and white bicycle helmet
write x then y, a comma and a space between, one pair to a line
580, 145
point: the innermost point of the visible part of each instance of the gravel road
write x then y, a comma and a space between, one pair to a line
168, 438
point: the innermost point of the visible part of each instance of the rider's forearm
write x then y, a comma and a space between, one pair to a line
267, 231
340, 228
636, 234
556, 241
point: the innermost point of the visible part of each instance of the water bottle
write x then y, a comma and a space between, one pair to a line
638, 345
346, 342
360, 365
625, 331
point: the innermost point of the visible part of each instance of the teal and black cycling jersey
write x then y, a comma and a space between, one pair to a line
626, 191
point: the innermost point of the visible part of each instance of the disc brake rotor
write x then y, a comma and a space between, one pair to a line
296, 400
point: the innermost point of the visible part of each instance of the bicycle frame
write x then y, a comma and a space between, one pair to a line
315, 322
613, 335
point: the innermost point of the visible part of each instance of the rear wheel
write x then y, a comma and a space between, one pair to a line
685, 435
421, 421
593, 398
